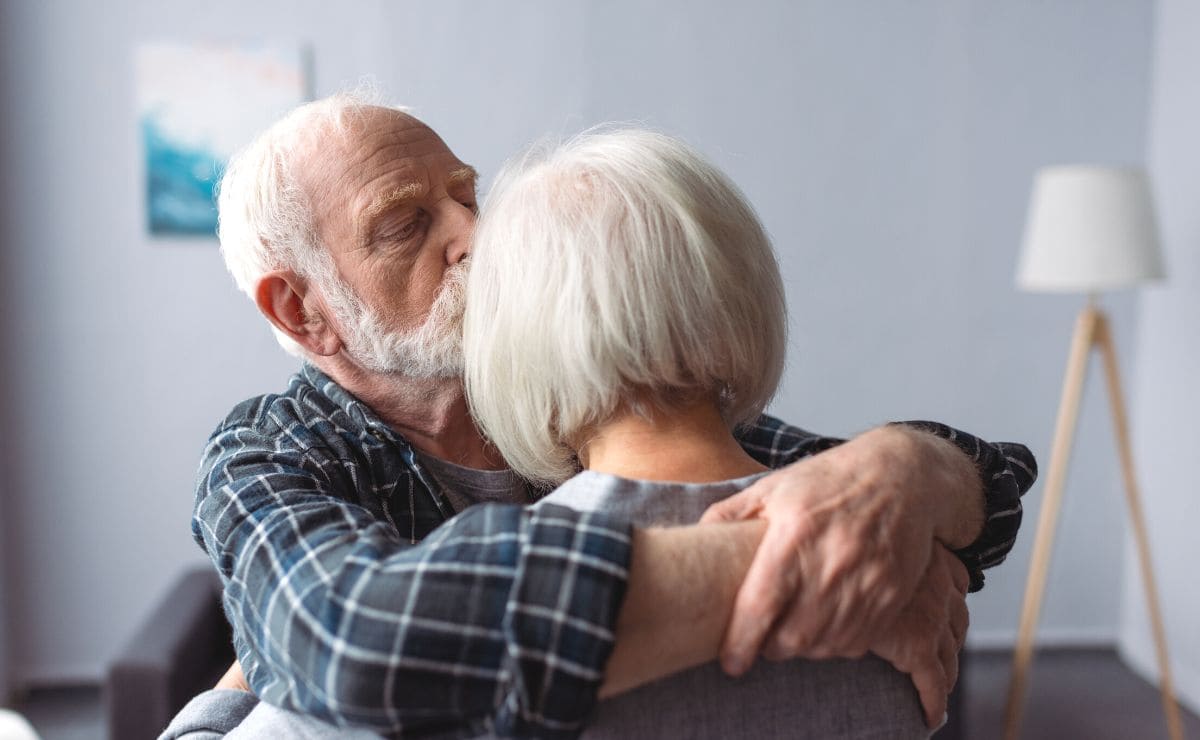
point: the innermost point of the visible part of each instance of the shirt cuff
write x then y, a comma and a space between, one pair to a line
1006, 470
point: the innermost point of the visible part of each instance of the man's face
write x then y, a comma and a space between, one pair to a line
396, 209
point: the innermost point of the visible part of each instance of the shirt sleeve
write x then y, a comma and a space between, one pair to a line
500, 621
1006, 470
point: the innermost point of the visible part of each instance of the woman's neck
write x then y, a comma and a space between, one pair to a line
689, 443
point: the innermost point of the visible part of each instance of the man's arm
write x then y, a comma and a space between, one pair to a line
1006, 471
501, 620
681, 589
683, 583
851, 527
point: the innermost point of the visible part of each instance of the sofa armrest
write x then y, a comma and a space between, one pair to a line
181, 649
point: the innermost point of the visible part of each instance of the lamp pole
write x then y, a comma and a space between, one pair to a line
1092, 329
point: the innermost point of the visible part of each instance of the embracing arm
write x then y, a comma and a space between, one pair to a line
686, 583
682, 584
505, 618
501, 619
1005, 471
851, 529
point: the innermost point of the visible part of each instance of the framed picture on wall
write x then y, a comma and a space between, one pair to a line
197, 104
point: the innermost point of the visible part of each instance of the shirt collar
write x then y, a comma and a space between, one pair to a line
358, 412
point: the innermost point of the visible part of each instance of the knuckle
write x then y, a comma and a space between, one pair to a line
758, 608
790, 642
772, 651
888, 594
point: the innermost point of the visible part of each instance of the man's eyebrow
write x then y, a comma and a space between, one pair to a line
390, 199
466, 173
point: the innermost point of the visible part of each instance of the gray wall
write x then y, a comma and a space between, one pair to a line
6, 417
888, 146
1166, 404
5, 663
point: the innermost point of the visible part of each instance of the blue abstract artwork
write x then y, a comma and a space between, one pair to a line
197, 105
181, 183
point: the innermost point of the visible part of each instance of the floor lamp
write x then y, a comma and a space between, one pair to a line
1090, 229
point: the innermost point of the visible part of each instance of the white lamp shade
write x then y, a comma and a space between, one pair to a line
1090, 229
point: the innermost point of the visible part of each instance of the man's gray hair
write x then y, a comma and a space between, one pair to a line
265, 217
618, 268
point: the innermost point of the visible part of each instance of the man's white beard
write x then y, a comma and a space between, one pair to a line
431, 350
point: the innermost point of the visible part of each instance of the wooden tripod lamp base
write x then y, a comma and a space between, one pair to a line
1091, 330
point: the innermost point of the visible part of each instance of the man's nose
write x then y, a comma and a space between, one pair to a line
462, 231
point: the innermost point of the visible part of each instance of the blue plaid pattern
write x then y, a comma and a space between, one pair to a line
498, 623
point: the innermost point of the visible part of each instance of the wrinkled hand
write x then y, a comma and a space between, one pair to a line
847, 541
925, 639
234, 678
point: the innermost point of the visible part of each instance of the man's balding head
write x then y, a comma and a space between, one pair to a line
265, 201
342, 222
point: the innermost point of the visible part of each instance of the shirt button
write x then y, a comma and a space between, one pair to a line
378, 434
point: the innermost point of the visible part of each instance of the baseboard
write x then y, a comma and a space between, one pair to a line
1006, 639
29, 678
1141, 659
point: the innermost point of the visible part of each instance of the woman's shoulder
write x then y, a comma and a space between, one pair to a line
644, 502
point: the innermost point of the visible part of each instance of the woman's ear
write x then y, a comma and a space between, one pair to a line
282, 296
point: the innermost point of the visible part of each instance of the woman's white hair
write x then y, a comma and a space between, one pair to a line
617, 269
265, 219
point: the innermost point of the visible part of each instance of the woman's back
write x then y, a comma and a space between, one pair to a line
625, 313
864, 698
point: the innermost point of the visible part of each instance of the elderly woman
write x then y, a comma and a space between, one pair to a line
625, 314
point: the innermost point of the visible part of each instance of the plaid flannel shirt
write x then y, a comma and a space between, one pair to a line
351, 602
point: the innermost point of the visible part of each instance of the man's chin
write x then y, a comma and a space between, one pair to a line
421, 368
431, 352
419, 375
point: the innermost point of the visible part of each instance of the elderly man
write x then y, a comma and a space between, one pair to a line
367, 588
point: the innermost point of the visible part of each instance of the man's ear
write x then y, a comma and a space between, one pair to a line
281, 296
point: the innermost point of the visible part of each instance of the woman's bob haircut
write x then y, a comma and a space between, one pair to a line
616, 270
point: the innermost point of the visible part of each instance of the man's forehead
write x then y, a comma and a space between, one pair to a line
381, 136
375, 153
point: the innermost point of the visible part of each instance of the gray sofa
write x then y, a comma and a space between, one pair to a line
181, 649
